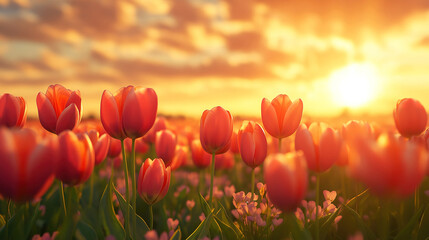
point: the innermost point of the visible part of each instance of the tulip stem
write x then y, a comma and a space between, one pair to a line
150, 217
63, 201
127, 191
212, 170
280, 145
253, 183
317, 204
133, 178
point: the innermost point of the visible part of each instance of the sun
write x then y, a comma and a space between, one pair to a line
354, 85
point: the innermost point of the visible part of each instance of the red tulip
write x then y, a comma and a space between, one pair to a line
222, 161
131, 112
410, 117
200, 157
13, 111
76, 160
252, 144
26, 164
160, 124
100, 144
165, 146
179, 158
286, 179
153, 181
390, 166
140, 145
234, 148
281, 117
320, 144
216, 127
59, 109
114, 148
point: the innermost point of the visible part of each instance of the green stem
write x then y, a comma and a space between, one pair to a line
133, 181
212, 170
280, 145
33, 219
91, 189
253, 183
63, 200
150, 217
127, 191
317, 204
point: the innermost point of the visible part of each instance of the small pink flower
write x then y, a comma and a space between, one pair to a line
151, 235
260, 222
235, 213
172, 224
188, 218
277, 221
330, 195
190, 204
229, 190
202, 217
262, 188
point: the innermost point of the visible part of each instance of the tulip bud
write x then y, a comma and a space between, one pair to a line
216, 127
165, 146
13, 111
252, 144
410, 117
153, 181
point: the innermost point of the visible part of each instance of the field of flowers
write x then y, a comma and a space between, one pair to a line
135, 175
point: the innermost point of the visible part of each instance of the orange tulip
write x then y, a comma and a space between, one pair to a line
389, 166
59, 109
13, 111
252, 144
114, 148
179, 158
410, 117
165, 146
234, 148
286, 179
216, 127
320, 144
281, 117
200, 157
100, 144
153, 181
26, 164
76, 160
160, 124
131, 112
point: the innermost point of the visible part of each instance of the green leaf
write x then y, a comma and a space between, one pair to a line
327, 222
424, 222
177, 235
2, 221
141, 225
204, 205
85, 231
14, 227
226, 219
226, 231
107, 216
202, 229
367, 233
405, 233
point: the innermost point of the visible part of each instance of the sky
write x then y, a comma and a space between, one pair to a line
336, 55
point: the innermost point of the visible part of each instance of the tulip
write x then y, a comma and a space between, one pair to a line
216, 128
179, 158
165, 146
234, 148
26, 164
59, 109
140, 145
100, 144
389, 166
223, 161
76, 160
410, 117
160, 124
320, 144
131, 112
13, 111
252, 144
200, 157
114, 148
153, 183
281, 117
253, 147
356, 129
286, 178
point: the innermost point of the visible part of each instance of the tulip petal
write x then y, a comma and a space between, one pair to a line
329, 149
77, 100
269, 118
47, 115
281, 104
68, 119
9, 110
23, 112
109, 115
292, 118
260, 143
304, 142
101, 148
9, 164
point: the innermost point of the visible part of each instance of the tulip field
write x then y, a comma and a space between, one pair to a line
136, 174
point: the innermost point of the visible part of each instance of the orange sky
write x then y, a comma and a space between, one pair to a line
199, 54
